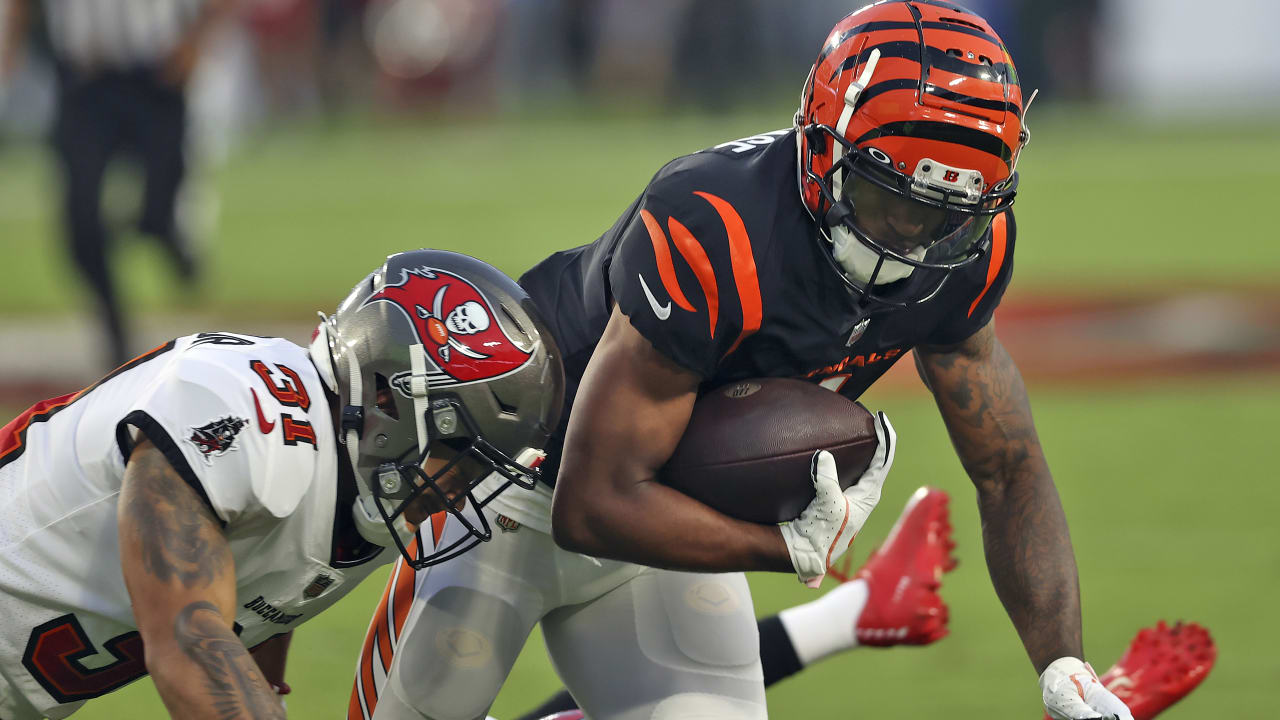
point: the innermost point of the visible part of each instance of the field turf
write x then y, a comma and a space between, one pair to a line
303, 214
1167, 484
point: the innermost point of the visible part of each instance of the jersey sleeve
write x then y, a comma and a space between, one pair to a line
202, 416
684, 274
990, 280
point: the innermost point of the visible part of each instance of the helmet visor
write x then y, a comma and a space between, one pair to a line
920, 233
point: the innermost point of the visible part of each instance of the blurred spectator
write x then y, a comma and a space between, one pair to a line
285, 34
1056, 45
122, 68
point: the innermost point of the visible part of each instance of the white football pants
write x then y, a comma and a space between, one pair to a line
630, 642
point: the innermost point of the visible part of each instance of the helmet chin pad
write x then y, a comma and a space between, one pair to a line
859, 261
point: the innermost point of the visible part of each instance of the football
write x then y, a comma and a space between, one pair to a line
748, 446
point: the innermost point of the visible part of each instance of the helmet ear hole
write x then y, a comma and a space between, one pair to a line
817, 140
385, 401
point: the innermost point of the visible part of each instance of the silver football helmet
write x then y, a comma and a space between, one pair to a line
468, 364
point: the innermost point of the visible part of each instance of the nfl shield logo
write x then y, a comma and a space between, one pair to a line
317, 586
507, 524
858, 330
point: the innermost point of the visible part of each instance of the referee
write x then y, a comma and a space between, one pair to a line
122, 67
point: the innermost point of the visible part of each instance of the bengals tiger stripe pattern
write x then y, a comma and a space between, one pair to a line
943, 86
380, 639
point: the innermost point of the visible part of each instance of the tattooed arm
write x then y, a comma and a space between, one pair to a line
983, 402
181, 578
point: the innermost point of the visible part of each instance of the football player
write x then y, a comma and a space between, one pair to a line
878, 226
223, 488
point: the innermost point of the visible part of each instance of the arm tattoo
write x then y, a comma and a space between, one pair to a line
180, 538
234, 682
983, 401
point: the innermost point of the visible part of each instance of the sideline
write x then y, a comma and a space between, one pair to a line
1068, 340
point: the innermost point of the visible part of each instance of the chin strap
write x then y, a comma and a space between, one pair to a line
419, 387
351, 434
368, 520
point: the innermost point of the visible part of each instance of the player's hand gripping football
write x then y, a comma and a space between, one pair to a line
1072, 691
827, 527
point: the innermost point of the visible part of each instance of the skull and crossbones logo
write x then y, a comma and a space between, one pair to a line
467, 318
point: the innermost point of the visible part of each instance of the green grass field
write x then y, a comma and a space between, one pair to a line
1167, 484
303, 214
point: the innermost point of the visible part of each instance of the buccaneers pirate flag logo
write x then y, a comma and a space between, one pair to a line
456, 325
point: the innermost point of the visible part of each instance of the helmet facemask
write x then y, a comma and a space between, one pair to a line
391, 477
400, 484
884, 225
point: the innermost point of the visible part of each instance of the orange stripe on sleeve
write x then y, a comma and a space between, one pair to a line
744, 267
11, 435
385, 650
437, 529
366, 674
999, 234
401, 601
692, 252
353, 707
362, 688
666, 270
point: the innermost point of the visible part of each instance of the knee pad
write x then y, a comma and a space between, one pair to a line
708, 619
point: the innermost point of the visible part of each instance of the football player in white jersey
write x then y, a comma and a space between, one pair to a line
223, 488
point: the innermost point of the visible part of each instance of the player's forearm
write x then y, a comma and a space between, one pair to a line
205, 672
1032, 565
271, 656
651, 524
983, 400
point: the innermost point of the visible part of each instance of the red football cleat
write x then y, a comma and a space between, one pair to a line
1162, 665
904, 574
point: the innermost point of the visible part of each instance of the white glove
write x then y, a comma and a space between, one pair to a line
826, 528
1072, 691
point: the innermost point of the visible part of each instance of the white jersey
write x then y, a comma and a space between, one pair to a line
244, 421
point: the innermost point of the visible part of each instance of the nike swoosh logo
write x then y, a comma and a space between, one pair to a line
662, 311
263, 425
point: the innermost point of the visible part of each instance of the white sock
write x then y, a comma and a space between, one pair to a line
826, 625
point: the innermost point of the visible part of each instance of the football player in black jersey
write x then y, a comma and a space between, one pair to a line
878, 225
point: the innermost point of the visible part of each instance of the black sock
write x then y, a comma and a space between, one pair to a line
559, 702
777, 655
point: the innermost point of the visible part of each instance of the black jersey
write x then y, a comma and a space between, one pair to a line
719, 264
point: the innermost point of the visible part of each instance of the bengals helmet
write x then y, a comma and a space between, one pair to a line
437, 352
908, 135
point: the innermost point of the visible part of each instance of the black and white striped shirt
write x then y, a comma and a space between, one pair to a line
96, 34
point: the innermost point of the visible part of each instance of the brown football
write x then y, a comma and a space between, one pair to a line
749, 444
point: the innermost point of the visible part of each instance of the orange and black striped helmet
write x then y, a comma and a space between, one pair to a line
909, 130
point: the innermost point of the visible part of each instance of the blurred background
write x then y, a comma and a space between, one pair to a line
172, 166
